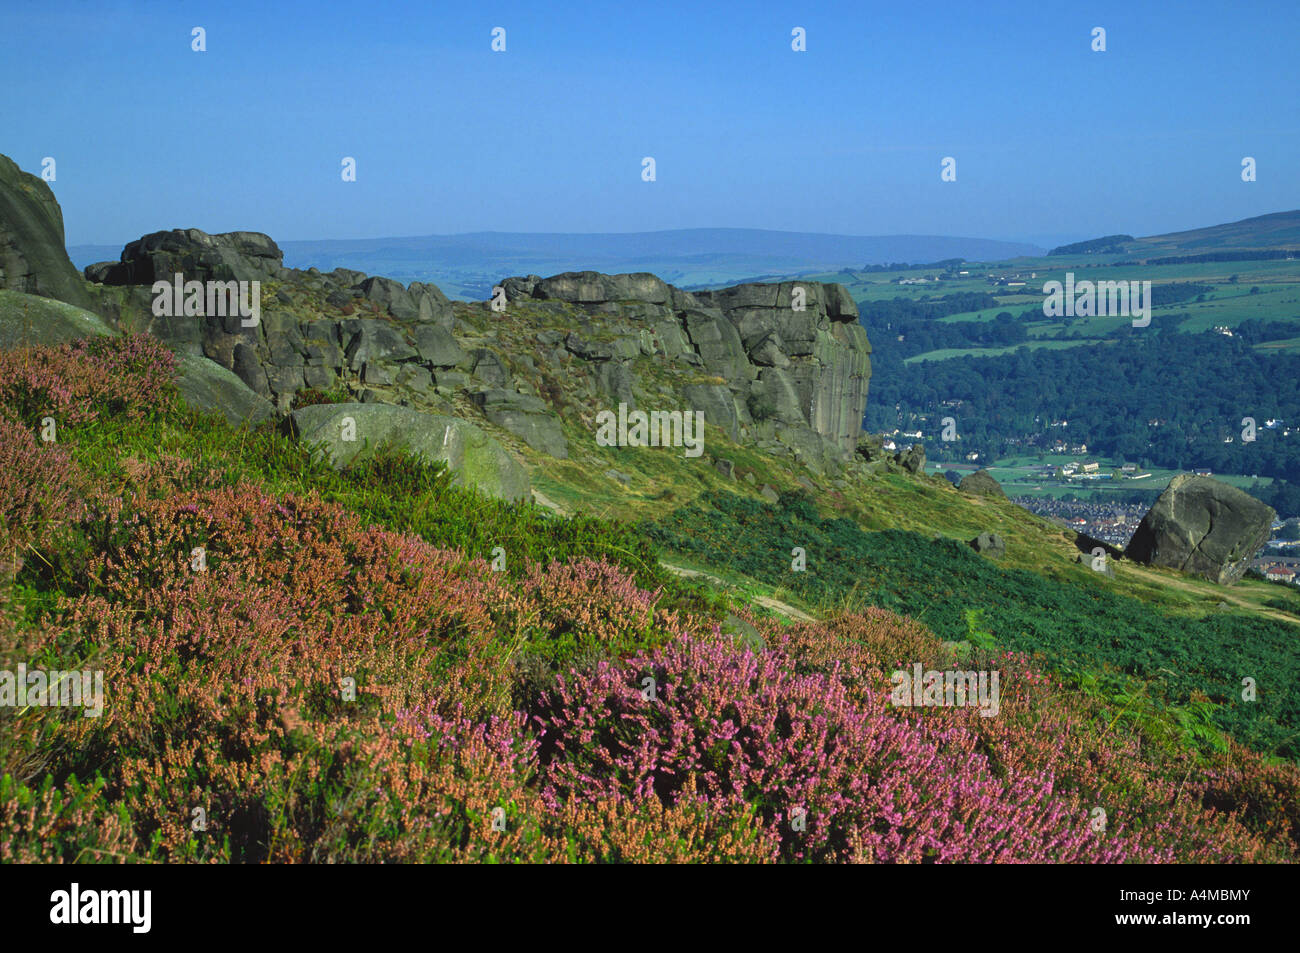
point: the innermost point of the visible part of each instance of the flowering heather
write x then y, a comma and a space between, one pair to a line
39, 488
743, 725
78, 381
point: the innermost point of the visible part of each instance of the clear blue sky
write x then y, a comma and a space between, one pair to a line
1050, 138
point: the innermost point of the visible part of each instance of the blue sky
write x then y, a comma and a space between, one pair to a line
1051, 139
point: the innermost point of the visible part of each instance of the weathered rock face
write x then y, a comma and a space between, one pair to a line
27, 320
527, 417
980, 483
1202, 527
403, 337
792, 355
806, 337
347, 431
33, 258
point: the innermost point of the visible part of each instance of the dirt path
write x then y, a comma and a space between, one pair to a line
767, 602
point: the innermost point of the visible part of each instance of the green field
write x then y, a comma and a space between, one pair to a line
1018, 477
1226, 304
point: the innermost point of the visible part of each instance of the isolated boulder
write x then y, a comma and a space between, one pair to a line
980, 483
33, 258
473, 457
989, 544
1202, 527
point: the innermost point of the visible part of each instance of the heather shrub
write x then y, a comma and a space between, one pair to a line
70, 822
78, 381
644, 830
234, 591
745, 726
40, 489
1206, 810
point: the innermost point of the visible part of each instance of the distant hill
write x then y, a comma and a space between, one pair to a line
1096, 246
1277, 231
466, 266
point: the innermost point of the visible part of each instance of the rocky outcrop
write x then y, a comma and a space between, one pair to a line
33, 258
397, 339
348, 431
793, 360
981, 483
782, 367
159, 256
1202, 527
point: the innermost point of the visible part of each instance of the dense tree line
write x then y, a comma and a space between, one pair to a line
1094, 246
1266, 254
945, 265
1152, 396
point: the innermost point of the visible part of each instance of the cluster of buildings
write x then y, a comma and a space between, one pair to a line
1276, 572
1015, 280
1113, 523
1091, 470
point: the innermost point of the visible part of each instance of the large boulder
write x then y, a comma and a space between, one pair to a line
437, 347
391, 296
159, 256
27, 320
207, 386
33, 258
473, 457
981, 483
1202, 527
